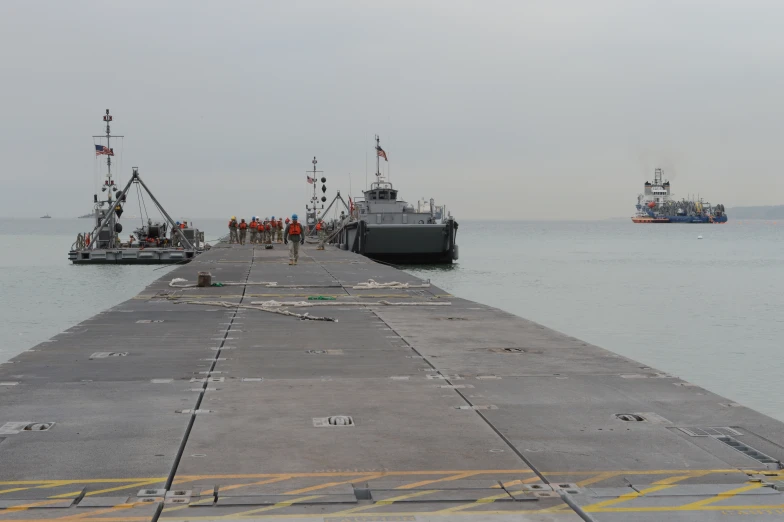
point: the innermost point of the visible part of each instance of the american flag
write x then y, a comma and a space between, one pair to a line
381, 153
102, 149
311, 180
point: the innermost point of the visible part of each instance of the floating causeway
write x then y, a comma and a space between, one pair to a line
167, 408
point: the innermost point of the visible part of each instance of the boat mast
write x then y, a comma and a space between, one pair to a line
107, 118
378, 160
108, 187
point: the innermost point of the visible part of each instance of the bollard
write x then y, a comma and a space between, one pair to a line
205, 279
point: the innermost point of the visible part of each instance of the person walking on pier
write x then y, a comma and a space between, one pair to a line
243, 231
272, 229
294, 234
279, 229
253, 229
322, 234
233, 230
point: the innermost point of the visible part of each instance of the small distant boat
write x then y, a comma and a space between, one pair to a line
46, 217
88, 216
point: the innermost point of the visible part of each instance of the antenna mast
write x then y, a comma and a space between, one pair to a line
312, 210
378, 159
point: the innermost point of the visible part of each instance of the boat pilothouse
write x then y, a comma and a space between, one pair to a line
382, 226
150, 245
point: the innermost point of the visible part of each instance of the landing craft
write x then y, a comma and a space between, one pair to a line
382, 226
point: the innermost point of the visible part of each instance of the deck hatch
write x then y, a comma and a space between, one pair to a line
630, 417
104, 355
748, 451
693, 431
338, 421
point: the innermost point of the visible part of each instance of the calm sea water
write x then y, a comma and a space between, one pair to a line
710, 311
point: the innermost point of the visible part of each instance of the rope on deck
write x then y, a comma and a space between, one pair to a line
373, 285
306, 304
370, 284
226, 304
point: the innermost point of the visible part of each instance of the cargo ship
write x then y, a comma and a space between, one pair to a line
656, 205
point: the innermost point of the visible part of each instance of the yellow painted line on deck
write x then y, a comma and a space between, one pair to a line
207, 500
679, 478
12, 490
274, 506
386, 502
366, 476
90, 513
100, 519
24, 507
259, 483
459, 476
477, 502
598, 478
662, 509
626, 497
116, 488
678, 472
722, 496
518, 482
349, 474
82, 481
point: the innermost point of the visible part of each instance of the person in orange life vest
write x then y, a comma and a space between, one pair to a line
279, 230
243, 231
322, 234
254, 228
294, 233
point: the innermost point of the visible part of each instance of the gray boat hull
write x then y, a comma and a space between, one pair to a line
402, 243
131, 256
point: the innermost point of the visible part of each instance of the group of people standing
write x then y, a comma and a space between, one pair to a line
266, 231
262, 231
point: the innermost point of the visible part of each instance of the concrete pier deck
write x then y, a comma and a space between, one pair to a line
172, 407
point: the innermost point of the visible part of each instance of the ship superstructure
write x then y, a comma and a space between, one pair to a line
656, 205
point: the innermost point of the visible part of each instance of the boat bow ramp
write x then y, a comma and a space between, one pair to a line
415, 405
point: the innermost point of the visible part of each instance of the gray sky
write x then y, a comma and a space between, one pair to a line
518, 109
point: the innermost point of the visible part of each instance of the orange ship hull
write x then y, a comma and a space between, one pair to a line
650, 220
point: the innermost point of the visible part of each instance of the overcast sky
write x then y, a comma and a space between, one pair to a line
513, 109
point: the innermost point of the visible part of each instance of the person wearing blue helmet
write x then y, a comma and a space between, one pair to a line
295, 234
